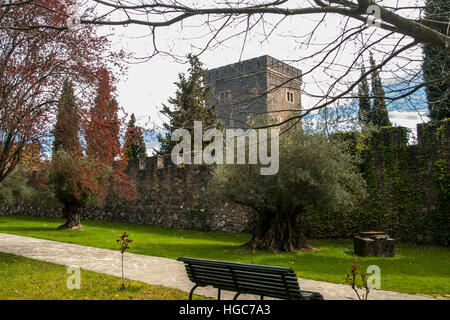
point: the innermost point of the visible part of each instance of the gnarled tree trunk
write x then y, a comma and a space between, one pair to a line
279, 232
73, 219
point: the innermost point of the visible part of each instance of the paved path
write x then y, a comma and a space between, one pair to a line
154, 270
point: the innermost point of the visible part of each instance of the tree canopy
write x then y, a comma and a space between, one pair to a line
188, 105
436, 64
321, 173
67, 125
401, 30
379, 115
134, 141
365, 107
34, 64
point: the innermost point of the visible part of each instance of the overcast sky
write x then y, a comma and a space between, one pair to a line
151, 83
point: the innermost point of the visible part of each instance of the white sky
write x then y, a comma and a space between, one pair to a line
151, 83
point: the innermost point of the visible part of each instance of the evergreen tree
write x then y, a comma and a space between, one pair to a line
67, 122
68, 170
188, 105
134, 141
365, 108
78, 180
436, 64
379, 115
102, 134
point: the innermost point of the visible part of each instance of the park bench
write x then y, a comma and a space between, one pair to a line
242, 278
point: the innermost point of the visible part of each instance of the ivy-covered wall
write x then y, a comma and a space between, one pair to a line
408, 187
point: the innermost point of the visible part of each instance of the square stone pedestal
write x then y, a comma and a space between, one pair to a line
373, 244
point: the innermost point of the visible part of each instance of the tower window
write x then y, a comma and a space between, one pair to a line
225, 96
249, 120
228, 96
290, 96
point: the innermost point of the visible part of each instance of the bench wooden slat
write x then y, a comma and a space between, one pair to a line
225, 270
246, 284
238, 274
265, 277
239, 281
235, 265
249, 288
214, 278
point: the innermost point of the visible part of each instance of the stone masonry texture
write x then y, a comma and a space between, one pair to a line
246, 93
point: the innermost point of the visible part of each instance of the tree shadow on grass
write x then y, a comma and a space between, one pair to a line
22, 229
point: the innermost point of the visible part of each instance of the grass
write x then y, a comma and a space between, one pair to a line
414, 269
28, 279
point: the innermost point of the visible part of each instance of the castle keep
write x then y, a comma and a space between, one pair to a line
255, 91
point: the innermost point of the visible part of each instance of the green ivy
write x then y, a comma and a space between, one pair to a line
408, 187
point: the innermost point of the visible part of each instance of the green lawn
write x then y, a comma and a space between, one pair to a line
28, 279
414, 269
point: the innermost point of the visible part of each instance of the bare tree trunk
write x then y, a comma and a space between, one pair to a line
123, 278
73, 219
279, 233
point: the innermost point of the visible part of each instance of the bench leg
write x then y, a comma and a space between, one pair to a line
192, 291
262, 297
236, 295
218, 294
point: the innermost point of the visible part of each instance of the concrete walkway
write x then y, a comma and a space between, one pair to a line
155, 270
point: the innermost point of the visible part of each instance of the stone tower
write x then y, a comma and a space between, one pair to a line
247, 93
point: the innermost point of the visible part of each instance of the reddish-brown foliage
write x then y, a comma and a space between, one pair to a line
33, 64
67, 127
102, 133
102, 136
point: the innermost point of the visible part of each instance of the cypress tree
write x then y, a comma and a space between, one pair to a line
67, 121
102, 134
188, 105
134, 141
379, 114
436, 64
365, 108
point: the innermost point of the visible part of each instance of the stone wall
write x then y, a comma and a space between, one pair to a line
166, 195
176, 197
408, 187
411, 189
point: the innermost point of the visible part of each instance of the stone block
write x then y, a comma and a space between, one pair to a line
373, 244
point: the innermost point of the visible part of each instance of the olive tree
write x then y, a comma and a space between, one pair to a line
312, 172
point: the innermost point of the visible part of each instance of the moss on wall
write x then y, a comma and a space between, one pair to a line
408, 187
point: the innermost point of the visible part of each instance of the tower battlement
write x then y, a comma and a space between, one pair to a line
259, 64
